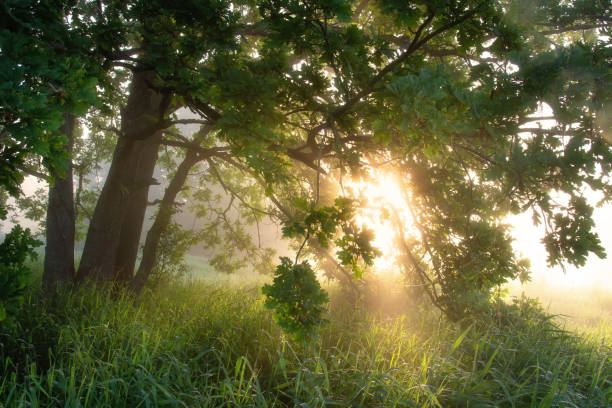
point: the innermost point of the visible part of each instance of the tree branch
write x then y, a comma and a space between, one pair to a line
530, 119
477, 154
124, 65
32, 172
229, 190
189, 122
579, 27
203, 109
158, 201
416, 43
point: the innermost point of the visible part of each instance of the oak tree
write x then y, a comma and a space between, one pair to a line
292, 94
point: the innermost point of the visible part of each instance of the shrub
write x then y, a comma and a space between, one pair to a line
16, 248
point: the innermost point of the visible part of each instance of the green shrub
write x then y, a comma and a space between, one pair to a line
16, 248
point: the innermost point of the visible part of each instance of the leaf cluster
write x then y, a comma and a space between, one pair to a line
323, 223
297, 298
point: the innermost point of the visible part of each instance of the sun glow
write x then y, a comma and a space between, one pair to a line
382, 205
384, 199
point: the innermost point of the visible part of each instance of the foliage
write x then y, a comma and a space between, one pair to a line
322, 224
17, 247
226, 230
297, 298
295, 294
203, 345
48, 69
33, 208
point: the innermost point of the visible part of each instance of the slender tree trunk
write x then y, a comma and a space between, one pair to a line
129, 240
145, 109
164, 215
59, 250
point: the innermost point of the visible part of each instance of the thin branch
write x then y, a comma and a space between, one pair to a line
305, 158
158, 201
425, 279
32, 172
414, 45
530, 119
547, 131
85, 210
203, 109
579, 27
177, 135
347, 276
124, 65
99, 11
255, 30
452, 52
228, 159
77, 196
112, 129
477, 154
188, 122
126, 54
229, 190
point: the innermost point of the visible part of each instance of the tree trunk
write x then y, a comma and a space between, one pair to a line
59, 250
139, 129
164, 215
129, 240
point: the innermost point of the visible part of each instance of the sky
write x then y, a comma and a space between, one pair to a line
596, 272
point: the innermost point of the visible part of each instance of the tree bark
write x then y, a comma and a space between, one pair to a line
140, 121
164, 215
129, 240
59, 250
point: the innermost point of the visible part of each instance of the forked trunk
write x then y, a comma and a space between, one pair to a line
139, 119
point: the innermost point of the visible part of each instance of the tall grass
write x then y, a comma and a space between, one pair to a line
205, 345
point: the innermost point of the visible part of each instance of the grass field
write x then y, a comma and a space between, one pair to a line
579, 309
206, 344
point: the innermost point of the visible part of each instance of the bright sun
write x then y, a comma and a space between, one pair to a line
382, 203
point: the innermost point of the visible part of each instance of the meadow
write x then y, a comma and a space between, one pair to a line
579, 309
211, 343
